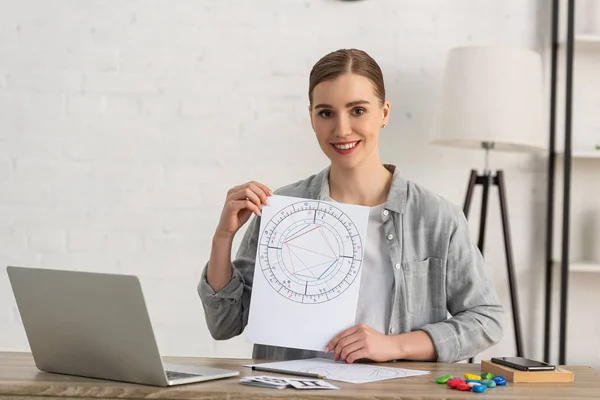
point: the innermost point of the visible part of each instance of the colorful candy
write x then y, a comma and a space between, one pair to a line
488, 383
443, 379
475, 383
479, 388
487, 375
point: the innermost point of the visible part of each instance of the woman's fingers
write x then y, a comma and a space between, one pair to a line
241, 201
238, 205
265, 188
346, 332
259, 191
349, 349
246, 191
338, 351
247, 194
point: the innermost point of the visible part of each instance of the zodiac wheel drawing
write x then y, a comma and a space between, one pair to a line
356, 371
310, 252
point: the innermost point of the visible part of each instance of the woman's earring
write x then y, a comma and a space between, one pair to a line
383, 126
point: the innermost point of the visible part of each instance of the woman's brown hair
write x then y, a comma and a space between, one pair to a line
347, 61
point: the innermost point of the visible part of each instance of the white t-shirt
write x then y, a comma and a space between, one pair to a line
377, 277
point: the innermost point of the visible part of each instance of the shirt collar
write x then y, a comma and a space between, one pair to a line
397, 195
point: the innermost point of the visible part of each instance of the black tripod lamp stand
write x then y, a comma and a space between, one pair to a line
492, 99
486, 180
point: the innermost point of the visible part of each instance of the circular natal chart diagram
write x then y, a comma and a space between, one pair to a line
310, 252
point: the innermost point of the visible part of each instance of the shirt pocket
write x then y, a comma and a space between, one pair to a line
425, 288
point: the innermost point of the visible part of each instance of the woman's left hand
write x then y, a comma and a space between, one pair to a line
363, 342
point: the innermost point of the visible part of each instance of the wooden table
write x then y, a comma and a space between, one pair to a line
20, 379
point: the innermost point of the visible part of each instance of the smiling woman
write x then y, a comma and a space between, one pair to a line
419, 263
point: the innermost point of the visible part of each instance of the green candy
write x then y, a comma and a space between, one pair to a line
488, 383
488, 376
443, 379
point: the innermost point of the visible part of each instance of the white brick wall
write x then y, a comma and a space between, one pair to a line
5, 170
123, 123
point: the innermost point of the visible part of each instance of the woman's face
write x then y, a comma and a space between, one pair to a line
346, 116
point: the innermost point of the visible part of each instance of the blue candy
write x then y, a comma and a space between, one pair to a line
479, 388
500, 380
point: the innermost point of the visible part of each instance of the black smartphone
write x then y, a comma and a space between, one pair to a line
523, 364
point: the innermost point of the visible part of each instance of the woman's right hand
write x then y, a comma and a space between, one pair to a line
242, 201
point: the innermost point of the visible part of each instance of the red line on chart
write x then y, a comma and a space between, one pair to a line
295, 255
312, 251
327, 240
299, 259
303, 233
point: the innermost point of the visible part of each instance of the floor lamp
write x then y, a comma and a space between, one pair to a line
492, 99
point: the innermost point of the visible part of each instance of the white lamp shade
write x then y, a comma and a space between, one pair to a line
491, 94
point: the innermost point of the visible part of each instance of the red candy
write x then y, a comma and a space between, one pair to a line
464, 387
455, 382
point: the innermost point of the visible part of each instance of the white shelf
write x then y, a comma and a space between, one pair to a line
582, 154
584, 41
588, 38
582, 266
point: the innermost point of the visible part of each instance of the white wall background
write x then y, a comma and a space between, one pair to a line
123, 123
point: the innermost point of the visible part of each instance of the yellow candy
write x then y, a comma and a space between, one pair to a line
472, 376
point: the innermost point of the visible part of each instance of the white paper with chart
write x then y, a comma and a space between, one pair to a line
307, 273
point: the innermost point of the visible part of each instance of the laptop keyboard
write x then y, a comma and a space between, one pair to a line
172, 375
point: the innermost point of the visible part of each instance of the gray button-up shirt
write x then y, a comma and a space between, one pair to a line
440, 285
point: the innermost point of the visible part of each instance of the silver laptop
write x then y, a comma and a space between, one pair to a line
95, 325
